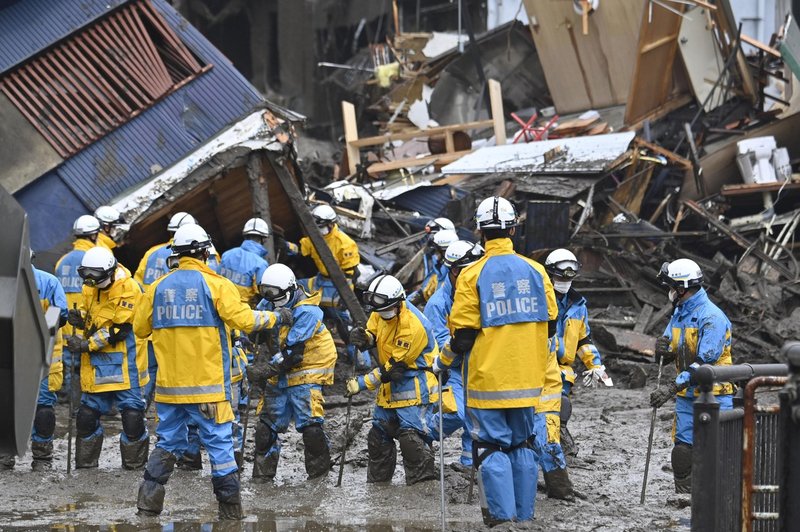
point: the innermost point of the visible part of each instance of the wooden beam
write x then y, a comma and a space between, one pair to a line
350, 136
498, 118
669, 39
761, 46
440, 158
420, 133
259, 190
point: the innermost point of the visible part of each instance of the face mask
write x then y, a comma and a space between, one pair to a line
104, 284
387, 314
673, 296
324, 230
562, 287
282, 301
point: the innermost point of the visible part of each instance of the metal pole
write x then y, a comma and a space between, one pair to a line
460, 42
650, 438
71, 401
705, 452
441, 449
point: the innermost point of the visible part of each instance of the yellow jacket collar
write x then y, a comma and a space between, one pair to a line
189, 263
310, 299
499, 246
83, 244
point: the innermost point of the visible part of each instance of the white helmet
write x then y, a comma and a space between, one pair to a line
681, 273
562, 263
444, 238
278, 284
108, 215
97, 266
462, 253
577, 5
178, 219
189, 238
323, 215
256, 227
437, 224
86, 225
496, 213
384, 292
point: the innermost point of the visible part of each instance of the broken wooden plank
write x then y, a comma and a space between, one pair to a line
439, 158
657, 317
742, 190
634, 341
643, 319
498, 118
350, 136
259, 191
419, 133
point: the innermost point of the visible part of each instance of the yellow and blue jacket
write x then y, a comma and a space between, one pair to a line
116, 360
407, 338
699, 332
310, 339
343, 248
435, 272
105, 241
67, 273
244, 266
509, 300
153, 264
437, 310
574, 336
51, 293
189, 313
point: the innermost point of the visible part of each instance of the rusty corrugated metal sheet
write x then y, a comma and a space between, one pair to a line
29, 26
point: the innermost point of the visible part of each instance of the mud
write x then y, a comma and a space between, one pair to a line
610, 426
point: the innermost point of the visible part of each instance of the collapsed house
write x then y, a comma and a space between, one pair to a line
124, 103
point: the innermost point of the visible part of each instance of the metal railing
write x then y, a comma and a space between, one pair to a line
723, 452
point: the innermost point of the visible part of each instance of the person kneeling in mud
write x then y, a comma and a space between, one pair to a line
293, 379
406, 344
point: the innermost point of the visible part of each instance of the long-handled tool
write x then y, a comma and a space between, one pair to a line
441, 450
650, 438
71, 401
346, 439
471, 482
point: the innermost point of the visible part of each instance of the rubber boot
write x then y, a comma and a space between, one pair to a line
7, 462
265, 467
157, 472
559, 486
228, 492
87, 452
239, 457
150, 500
134, 454
190, 462
568, 444
682, 467
42, 455
382, 457
317, 452
417, 457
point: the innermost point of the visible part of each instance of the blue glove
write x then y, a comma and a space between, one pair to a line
277, 359
683, 378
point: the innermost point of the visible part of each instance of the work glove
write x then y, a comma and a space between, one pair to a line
664, 350
77, 344
592, 376
684, 377
245, 343
285, 317
394, 373
437, 367
208, 410
659, 397
361, 338
352, 387
75, 318
258, 373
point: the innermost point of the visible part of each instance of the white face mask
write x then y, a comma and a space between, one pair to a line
387, 314
673, 295
324, 230
282, 301
105, 284
562, 287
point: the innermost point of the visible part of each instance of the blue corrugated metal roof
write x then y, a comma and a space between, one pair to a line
430, 201
29, 26
161, 135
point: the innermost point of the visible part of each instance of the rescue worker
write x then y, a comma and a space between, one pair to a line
573, 336
113, 360
245, 264
440, 241
189, 313
504, 312
458, 256
345, 252
112, 226
85, 229
432, 258
406, 344
698, 333
296, 376
152, 266
51, 293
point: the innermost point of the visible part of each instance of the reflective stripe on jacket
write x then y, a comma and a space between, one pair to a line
115, 361
51, 293
574, 335
409, 338
189, 313
509, 299
343, 248
550, 401
705, 331
244, 266
153, 264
